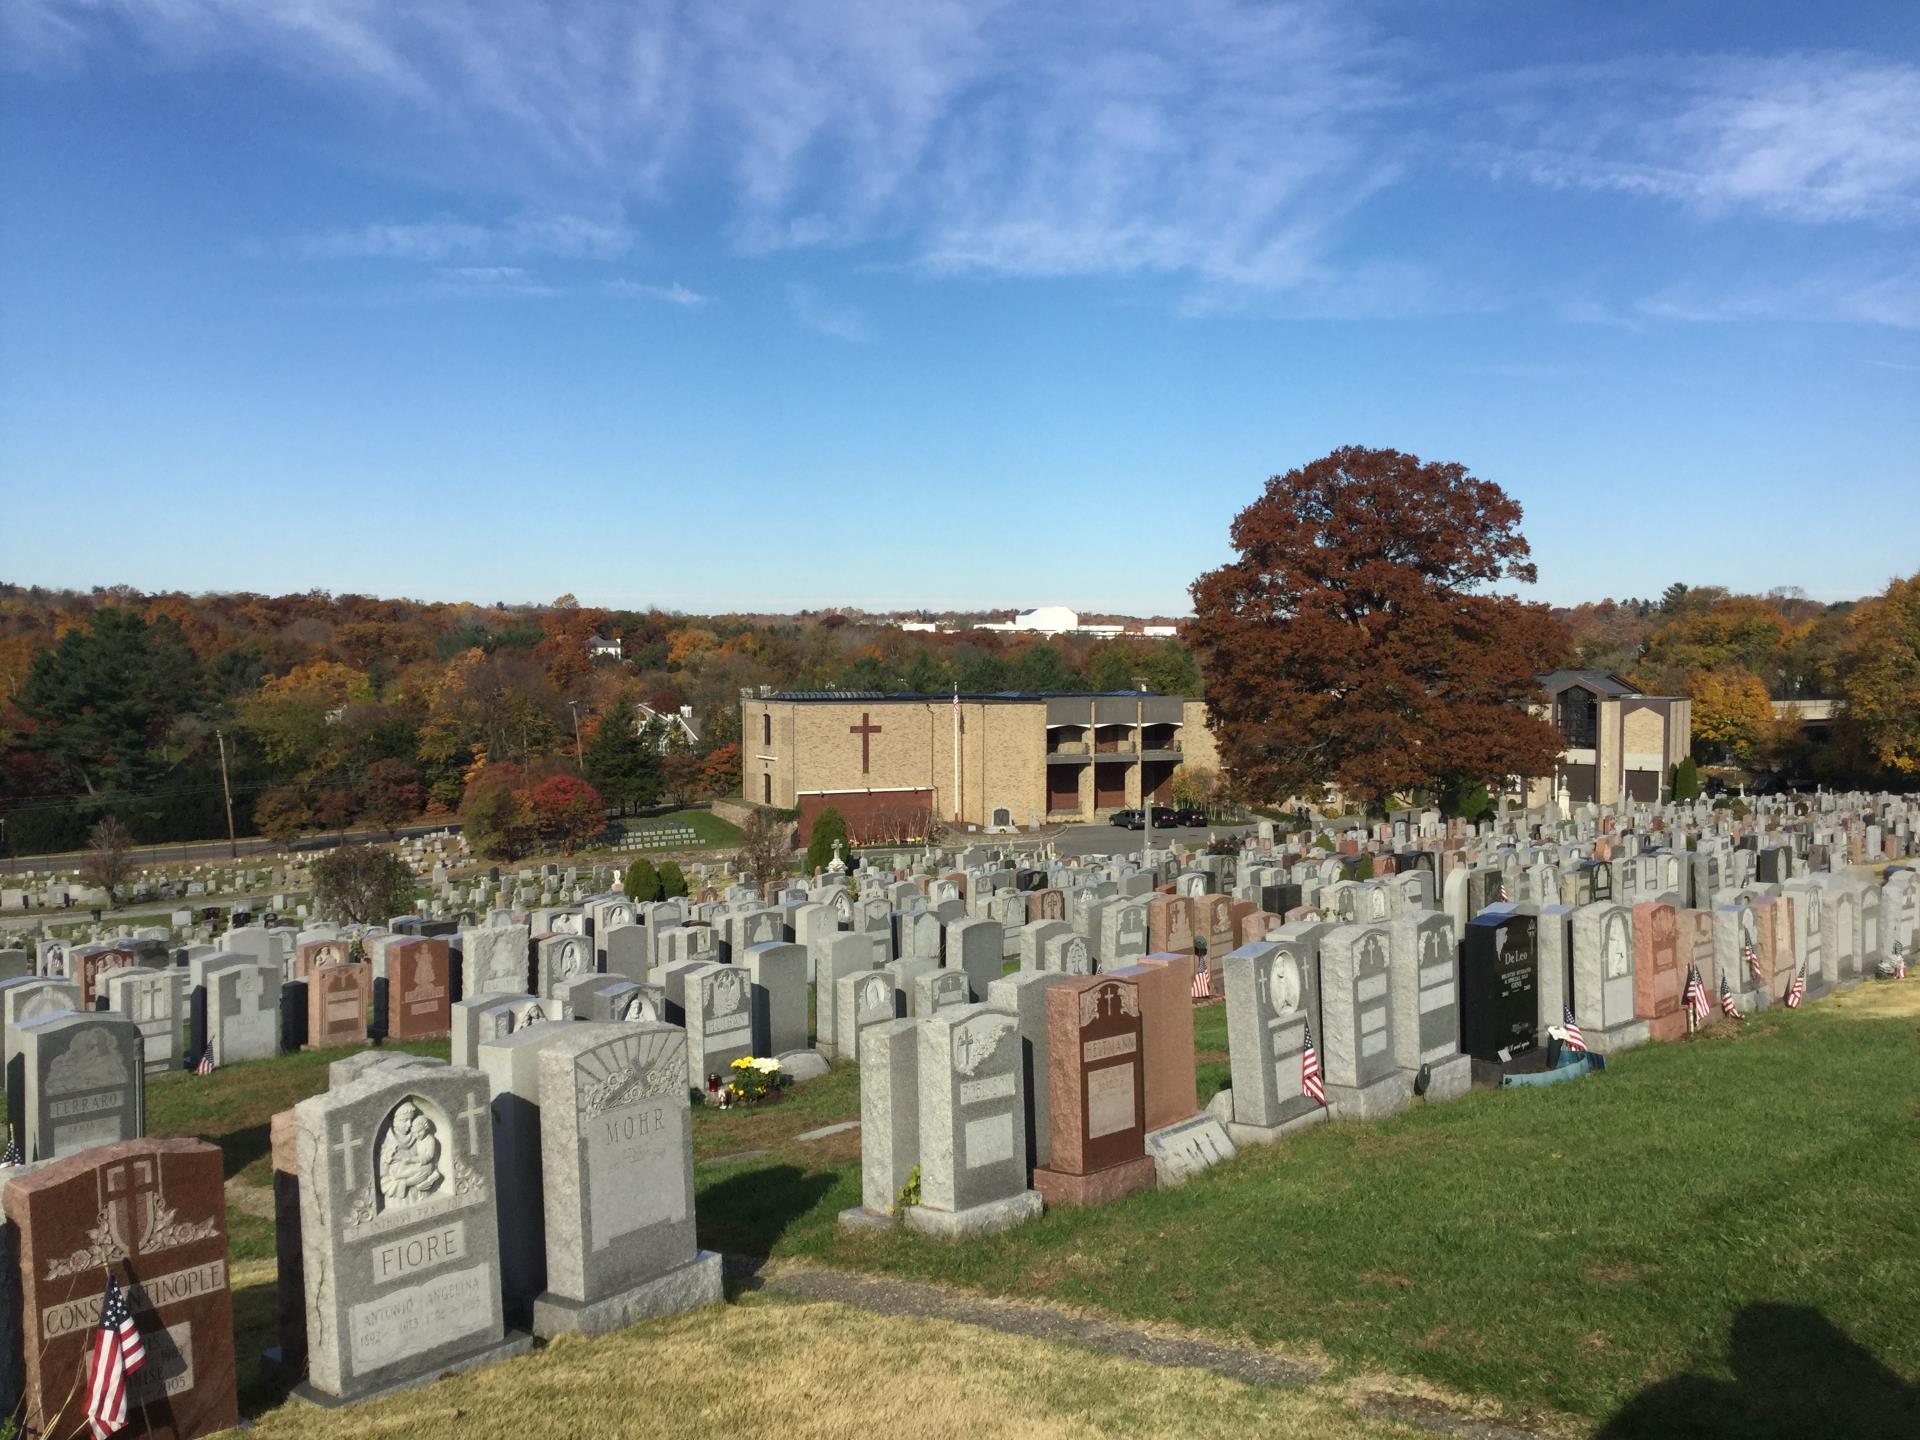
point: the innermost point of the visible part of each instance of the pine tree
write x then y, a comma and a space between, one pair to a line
673, 881
624, 764
828, 826
642, 883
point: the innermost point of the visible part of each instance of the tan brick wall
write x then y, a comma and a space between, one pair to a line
1003, 753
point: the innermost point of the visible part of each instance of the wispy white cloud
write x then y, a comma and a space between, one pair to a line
1860, 293
841, 322
1220, 140
674, 294
525, 236
1814, 138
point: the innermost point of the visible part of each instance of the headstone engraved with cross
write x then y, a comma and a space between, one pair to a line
399, 1239
972, 1125
1097, 1091
1273, 995
152, 1213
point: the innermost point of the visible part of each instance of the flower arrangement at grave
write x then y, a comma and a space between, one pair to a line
754, 1078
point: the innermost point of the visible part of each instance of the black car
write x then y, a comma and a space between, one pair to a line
1191, 816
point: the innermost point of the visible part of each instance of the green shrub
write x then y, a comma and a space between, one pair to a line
673, 882
642, 882
828, 826
1684, 780
1362, 867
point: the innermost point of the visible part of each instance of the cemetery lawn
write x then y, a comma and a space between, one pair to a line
1557, 1249
822, 1371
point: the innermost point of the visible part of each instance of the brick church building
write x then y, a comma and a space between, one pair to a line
888, 763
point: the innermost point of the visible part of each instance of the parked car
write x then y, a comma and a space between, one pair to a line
1191, 816
1126, 819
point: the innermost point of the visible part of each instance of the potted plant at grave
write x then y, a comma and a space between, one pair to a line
754, 1078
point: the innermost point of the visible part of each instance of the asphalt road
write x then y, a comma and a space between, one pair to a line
214, 851
1112, 840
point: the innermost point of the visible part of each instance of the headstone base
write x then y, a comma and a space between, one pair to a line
798, 1065
1449, 1079
1305, 1113
1102, 1187
1186, 1147
1840, 987
1620, 1037
860, 1218
689, 1287
514, 1344
1385, 1096
1749, 1002
987, 1219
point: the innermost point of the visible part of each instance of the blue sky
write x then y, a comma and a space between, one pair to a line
744, 306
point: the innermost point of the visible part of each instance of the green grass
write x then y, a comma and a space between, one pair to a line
1557, 1250
709, 829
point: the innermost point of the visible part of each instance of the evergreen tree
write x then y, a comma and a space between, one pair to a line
673, 882
623, 764
642, 883
828, 826
1685, 780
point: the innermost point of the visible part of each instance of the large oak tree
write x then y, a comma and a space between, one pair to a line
1355, 642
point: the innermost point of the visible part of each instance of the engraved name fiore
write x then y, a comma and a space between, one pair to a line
419, 1252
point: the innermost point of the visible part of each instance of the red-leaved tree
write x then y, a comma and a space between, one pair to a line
1354, 642
567, 811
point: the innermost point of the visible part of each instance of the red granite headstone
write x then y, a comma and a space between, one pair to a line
419, 1004
153, 1214
337, 997
1170, 925
1096, 1094
1658, 979
1165, 983
93, 968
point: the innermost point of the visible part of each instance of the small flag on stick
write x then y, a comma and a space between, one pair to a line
117, 1352
1727, 1007
1696, 997
1575, 1040
1310, 1070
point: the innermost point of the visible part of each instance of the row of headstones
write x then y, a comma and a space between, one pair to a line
1399, 1009
423, 1209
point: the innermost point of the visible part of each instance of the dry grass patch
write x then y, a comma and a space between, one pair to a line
819, 1371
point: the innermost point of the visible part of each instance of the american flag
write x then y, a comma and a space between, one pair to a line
1503, 889
1310, 1069
1202, 983
1899, 961
205, 1064
1697, 994
1727, 1007
1575, 1040
1797, 991
117, 1353
13, 1156
1752, 957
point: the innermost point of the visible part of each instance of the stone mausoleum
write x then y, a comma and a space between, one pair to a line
889, 762
1619, 743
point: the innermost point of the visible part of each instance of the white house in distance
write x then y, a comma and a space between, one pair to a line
1050, 620
605, 646
676, 731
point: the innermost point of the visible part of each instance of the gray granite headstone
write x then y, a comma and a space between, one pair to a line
399, 1236
973, 1144
616, 1140
76, 1082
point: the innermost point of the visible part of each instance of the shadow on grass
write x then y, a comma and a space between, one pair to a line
240, 1148
747, 1213
1797, 1376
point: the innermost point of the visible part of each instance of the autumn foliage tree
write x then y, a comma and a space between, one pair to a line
1881, 683
1731, 712
1354, 643
567, 811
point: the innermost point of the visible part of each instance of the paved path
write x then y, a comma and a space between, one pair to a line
1040, 1321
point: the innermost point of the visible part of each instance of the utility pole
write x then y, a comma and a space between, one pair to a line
233, 846
579, 758
1146, 803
